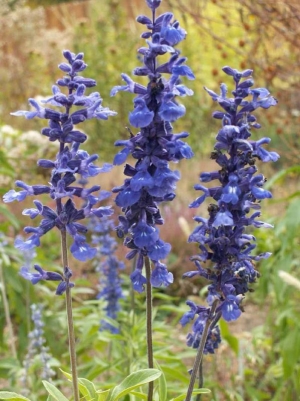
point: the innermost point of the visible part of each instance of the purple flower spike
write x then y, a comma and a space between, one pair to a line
222, 237
72, 164
151, 181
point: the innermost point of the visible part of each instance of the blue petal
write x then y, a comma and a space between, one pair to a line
159, 250
121, 157
230, 309
82, 251
223, 218
183, 70
30, 243
144, 235
171, 111
13, 195
140, 180
260, 193
160, 276
127, 197
138, 281
141, 116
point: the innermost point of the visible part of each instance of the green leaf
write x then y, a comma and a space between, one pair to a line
281, 175
142, 396
232, 341
7, 395
291, 351
162, 384
103, 395
176, 374
54, 392
132, 381
86, 387
195, 392
9, 216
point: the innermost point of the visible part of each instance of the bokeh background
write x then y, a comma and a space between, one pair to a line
259, 358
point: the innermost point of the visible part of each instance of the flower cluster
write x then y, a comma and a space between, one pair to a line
70, 160
222, 237
36, 349
150, 180
108, 266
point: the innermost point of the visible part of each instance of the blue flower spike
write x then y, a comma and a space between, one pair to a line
71, 162
150, 181
223, 239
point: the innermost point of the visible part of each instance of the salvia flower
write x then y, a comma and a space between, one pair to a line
70, 161
108, 266
222, 237
37, 353
150, 181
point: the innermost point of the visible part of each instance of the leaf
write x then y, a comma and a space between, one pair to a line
162, 384
7, 395
195, 392
86, 387
290, 351
281, 175
103, 395
9, 216
142, 396
54, 392
231, 340
176, 374
132, 381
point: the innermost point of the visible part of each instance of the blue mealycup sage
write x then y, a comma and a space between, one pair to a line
150, 181
70, 161
108, 266
224, 239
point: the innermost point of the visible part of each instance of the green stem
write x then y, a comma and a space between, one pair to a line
71, 334
7, 314
200, 379
149, 324
200, 351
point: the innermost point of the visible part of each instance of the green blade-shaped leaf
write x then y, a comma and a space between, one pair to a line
9, 216
7, 395
103, 395
195, 392
162, 384
293, 170
132, 381
139, 396
86, 387
54, 392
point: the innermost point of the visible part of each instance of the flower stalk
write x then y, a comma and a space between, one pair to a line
69, 310
200, 352
149, 323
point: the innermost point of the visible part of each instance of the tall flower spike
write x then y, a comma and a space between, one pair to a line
108, 266
150, 180
36, 350
70, 161
223, 239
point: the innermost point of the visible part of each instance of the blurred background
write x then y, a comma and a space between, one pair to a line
260, 356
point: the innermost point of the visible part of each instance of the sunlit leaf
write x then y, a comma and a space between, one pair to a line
134, 380
54, 392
